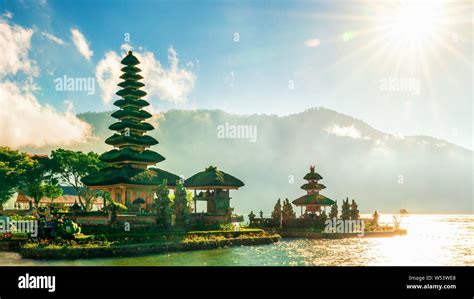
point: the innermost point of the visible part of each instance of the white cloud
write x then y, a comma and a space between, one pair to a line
81, 43
171, 84
312, 43
53, 38
23, 120
107, 73
15, 42
348, 131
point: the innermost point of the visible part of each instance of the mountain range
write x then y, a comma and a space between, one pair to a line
271, 154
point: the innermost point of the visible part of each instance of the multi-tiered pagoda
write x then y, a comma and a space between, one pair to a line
128, 177
313, 200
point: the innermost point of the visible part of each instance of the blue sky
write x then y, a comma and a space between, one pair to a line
290, 56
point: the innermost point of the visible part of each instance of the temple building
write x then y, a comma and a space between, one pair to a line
128, 177
213, 186
313, 200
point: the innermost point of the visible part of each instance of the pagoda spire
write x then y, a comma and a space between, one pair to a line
127, 175
313, 200
130, 140
313, 186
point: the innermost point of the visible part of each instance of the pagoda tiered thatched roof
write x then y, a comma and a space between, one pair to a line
128, 154
312, 187
213, 178
312, 175
313, 199
120, 140
127, 174
129, 160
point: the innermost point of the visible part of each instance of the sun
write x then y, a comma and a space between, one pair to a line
416, 21
413, 23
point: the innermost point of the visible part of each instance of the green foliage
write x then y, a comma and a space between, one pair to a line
333, 213
38, 180
251, 216
138, 201
163, 206
288, 215
189, 198
105, 197
67, 229
345, 210
354, 211
277, 213
71, 167
227, 233
113, 209
226, 227
321, 220
53, 191
13, 164
375, 219
181, 207
21, 217
116, 206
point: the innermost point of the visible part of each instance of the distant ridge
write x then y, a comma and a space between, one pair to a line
383, 172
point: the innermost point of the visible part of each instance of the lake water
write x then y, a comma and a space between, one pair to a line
431, 240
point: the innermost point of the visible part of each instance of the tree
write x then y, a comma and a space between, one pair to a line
333, 213
38, 180
163, 206
139, 201
251, 218
181, 207
71, 167
288, 215
105, 198
354, 211
12, 165
277, 214
375, 219
323, 217
53, 191
345, 210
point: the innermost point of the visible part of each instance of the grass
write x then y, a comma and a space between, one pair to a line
94, 241
102, 249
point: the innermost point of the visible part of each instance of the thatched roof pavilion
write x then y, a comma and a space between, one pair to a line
214, 185
213, 178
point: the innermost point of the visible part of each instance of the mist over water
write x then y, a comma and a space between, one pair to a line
435, 240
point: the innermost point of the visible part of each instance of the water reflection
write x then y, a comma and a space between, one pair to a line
432, 240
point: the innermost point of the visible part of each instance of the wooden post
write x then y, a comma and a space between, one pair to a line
122, 195
195, 202
112, 194
132, 196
